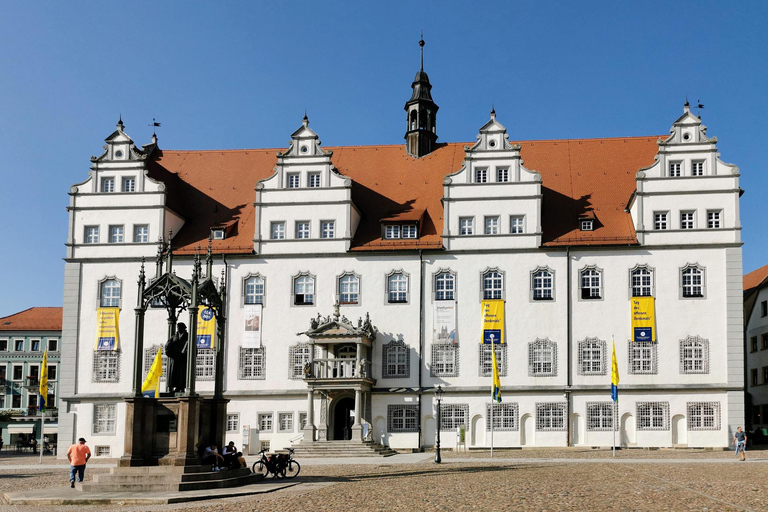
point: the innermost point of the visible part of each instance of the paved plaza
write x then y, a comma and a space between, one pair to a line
535, 480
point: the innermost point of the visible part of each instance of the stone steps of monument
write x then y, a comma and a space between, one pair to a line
171, 482
341, 449
162, 470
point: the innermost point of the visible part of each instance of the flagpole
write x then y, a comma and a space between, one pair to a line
613, 420
42, 435
492, 421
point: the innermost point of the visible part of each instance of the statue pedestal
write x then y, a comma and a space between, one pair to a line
171, 431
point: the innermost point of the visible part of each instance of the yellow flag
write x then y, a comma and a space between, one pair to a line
152, 382
44, 382
496, 388
614, 376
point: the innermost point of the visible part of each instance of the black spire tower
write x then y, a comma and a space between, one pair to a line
421, 111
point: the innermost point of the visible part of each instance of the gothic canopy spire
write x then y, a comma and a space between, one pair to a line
421, 132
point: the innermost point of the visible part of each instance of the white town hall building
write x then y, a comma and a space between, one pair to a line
415, 237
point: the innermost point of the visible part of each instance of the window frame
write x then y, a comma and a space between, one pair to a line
340, 292
640, 351
295, 281
502, 172
438, 277
605, 422
233, 421
488, 293
714, 216
453, 416
485, 362
398, 347
277, 230
89, 232
696, 420
149, 357
299, 354
687, 223
128, 180
252, 363
324, 230
661, 220
281, 417
688, 270
689, 359
657, 418
599, 276
540, 347
293, 180
550, 422
587, 224
513, 228
403, 418
389, 291
507, 421
697, 163
105, 366
101, 296
266, 418
107, 182
652, 278
589, 366
675, 172
469, 228
104, 425
244, 290
205, 364
490, 228
310, 180
481, 172
137, 238
533, 284
116, 233
441, 366
303, 230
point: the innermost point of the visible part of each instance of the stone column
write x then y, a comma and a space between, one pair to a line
358, 357
357, 428
309, 428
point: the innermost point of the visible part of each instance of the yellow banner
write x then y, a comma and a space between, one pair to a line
643, 319
107, 328
206, 325
493, 321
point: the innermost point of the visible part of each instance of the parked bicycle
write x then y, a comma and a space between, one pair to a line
279, 465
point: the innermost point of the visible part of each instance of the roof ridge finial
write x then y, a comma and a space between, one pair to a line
305, 119
421, 44
493, 111
120, 124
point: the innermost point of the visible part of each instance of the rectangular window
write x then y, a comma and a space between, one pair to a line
542, 285
642, 282
587, 225
505, 417
264, 445
481, 175
502, 175
491, 225
642, 358
753, 344
129, 184
52, 372
765, 374
590, 284
444, 361
517, 224
313, 180
326, 229
391, 231
141, 233
486, 359
397, 289
107, 184
265, 422
116, 234
713, 219
3, 345
103, 451
466, 225
694, 356
703, 415
304, 291
687, 220
251, 365
16, 401
753, 376
591, 357
293, 180
106, 366
452, 416
409, 231
205, 366
91, 234
675, 169
104, 418
697, 168
233, 422
764, 308
302, 230
218, 234
18, 345
550, 417
17, 372
600, 416
653, 416
395, 360
35, 345
286, 421
763, 341
298, 356
403, 418
445, 286
349, 289
302, 420
277, 230
660, 221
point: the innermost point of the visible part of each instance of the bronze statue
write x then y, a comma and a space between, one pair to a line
176, 350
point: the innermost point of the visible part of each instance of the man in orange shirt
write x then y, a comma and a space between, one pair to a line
77, 455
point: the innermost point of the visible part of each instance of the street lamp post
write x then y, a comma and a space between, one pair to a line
439, 397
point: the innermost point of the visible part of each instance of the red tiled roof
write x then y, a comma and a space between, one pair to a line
755, 278
33, 319
210, 188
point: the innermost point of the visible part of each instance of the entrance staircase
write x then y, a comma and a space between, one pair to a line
168, 478
335, 449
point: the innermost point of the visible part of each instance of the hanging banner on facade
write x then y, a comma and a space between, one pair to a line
643, 319
444, 326
206, 328
493, 321
252, 335
107, 328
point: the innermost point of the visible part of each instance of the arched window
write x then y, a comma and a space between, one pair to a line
591, 283
349, 289
397, 288
493, 284
304, 290
445, 286
542, 284
692, 282
110, 293
254, 290
542, 358
641, 281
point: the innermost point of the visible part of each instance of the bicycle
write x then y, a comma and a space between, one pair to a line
279, 465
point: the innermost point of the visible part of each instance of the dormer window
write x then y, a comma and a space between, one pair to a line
587, 225
409, 231
218, 234
392, 232
397, 231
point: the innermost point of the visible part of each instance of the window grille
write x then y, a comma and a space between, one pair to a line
542, 358
692, 281
349, 289
591, 283
592, 357
542, 285
517, 224
252, 364
452, 416
286, 421
486, 360
233, 422
403, 418
505, 417
103, 451
643, 358
254, 290
601, 416
703, 415
642, 282
298, 356
265, 422
396, 360
550, 416
694, 355
149, 358
397, 288
106, 366
205, 366
104, 418
445, 286
444, 360
110, 293
493, 285
653, 416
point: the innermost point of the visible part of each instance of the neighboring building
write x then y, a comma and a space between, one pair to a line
400, 231
756, 347
24, 337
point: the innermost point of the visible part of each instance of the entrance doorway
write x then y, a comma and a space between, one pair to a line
342, 419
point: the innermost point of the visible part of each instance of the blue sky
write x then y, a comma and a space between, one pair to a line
241, 74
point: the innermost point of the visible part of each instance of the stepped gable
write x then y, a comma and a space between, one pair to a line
216, 188
33, 319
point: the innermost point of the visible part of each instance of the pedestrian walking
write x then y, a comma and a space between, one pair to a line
740, 440
78, 455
